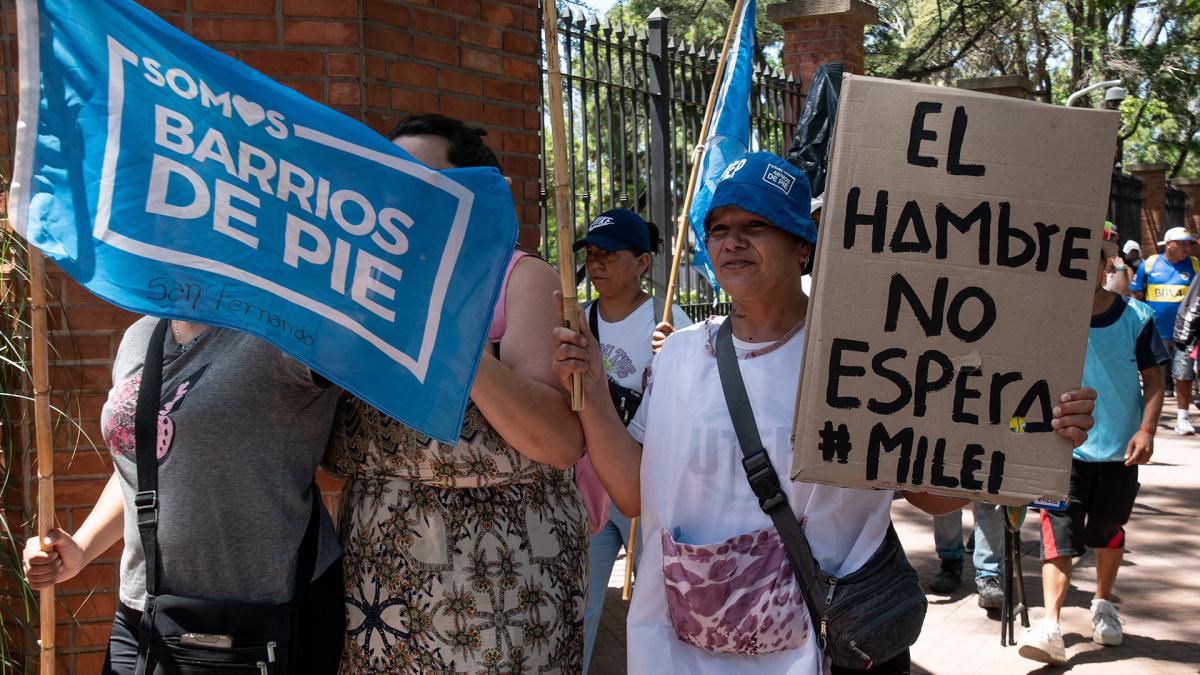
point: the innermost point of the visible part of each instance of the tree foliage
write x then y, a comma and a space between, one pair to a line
1152, 46
703, 22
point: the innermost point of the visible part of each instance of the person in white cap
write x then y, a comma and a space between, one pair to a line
1131, 252
1162, 283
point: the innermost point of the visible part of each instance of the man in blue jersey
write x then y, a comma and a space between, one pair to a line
1161, 282
1122, 345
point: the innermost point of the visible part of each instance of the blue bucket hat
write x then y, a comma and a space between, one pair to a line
769, 187
617, 230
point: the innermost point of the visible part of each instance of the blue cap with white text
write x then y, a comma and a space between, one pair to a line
768, 186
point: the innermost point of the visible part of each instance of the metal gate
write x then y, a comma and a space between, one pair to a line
634, 102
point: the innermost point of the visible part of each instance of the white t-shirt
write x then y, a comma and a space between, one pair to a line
625, 345
692, 479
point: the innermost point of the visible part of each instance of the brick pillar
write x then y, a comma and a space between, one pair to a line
1154, 196
1013, 86
818, 31
1190, 187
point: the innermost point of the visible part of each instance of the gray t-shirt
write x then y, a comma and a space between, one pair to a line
241, 430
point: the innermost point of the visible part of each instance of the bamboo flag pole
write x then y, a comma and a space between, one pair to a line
45, 450
562, 188
681, 230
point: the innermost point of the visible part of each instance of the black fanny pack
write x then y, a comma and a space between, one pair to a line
625, 399
193, 636
867, 617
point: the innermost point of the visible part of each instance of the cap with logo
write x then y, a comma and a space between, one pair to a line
1176, 234
766, 185
617, 230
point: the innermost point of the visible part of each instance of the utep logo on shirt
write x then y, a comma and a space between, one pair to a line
779, 178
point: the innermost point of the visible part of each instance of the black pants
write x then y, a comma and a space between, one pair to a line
322, 629
899, 665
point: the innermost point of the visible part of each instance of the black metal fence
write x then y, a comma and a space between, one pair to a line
634, 101
1175, 206
1125, 206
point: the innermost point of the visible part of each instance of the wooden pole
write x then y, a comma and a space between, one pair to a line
562, 188
38, 348
627, 591
681, 230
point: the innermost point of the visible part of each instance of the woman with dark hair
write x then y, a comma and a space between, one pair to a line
620, 247
469, 557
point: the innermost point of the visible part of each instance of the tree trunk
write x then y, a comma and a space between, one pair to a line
1185, 145
1075, 15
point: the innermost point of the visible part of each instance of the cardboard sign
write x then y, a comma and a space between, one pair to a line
953, 288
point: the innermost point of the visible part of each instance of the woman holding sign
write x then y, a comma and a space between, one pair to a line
469, 557
715, 591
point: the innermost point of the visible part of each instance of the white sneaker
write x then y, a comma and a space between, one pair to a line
1183, 426
1043, 642
1106, 625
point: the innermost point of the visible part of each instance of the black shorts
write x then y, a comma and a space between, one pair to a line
1099, 504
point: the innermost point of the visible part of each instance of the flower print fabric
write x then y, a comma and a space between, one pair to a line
459, 558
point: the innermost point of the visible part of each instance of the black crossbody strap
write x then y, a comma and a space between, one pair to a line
306, 561
761, 474
593, 321
145, 434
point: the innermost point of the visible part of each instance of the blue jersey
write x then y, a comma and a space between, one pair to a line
1121, 342
1164, 286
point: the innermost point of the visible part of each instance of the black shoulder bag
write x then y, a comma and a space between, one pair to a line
193, 636
625, 399
866, 617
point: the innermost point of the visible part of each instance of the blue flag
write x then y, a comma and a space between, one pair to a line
729, 132
172, 180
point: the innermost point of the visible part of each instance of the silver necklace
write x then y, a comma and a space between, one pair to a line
183, 346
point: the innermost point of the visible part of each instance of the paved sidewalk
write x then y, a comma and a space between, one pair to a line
1157, 590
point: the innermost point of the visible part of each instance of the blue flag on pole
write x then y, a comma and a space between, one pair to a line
172, 180
729, 132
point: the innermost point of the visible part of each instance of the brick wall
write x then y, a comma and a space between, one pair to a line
1154, 195
1191, 187
374, 60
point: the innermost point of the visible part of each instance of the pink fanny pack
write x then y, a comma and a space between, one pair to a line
736, 597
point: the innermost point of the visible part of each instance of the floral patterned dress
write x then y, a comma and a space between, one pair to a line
459, 559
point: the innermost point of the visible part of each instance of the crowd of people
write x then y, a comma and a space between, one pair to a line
493, 554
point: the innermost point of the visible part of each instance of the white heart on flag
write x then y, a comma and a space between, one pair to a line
251, 113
